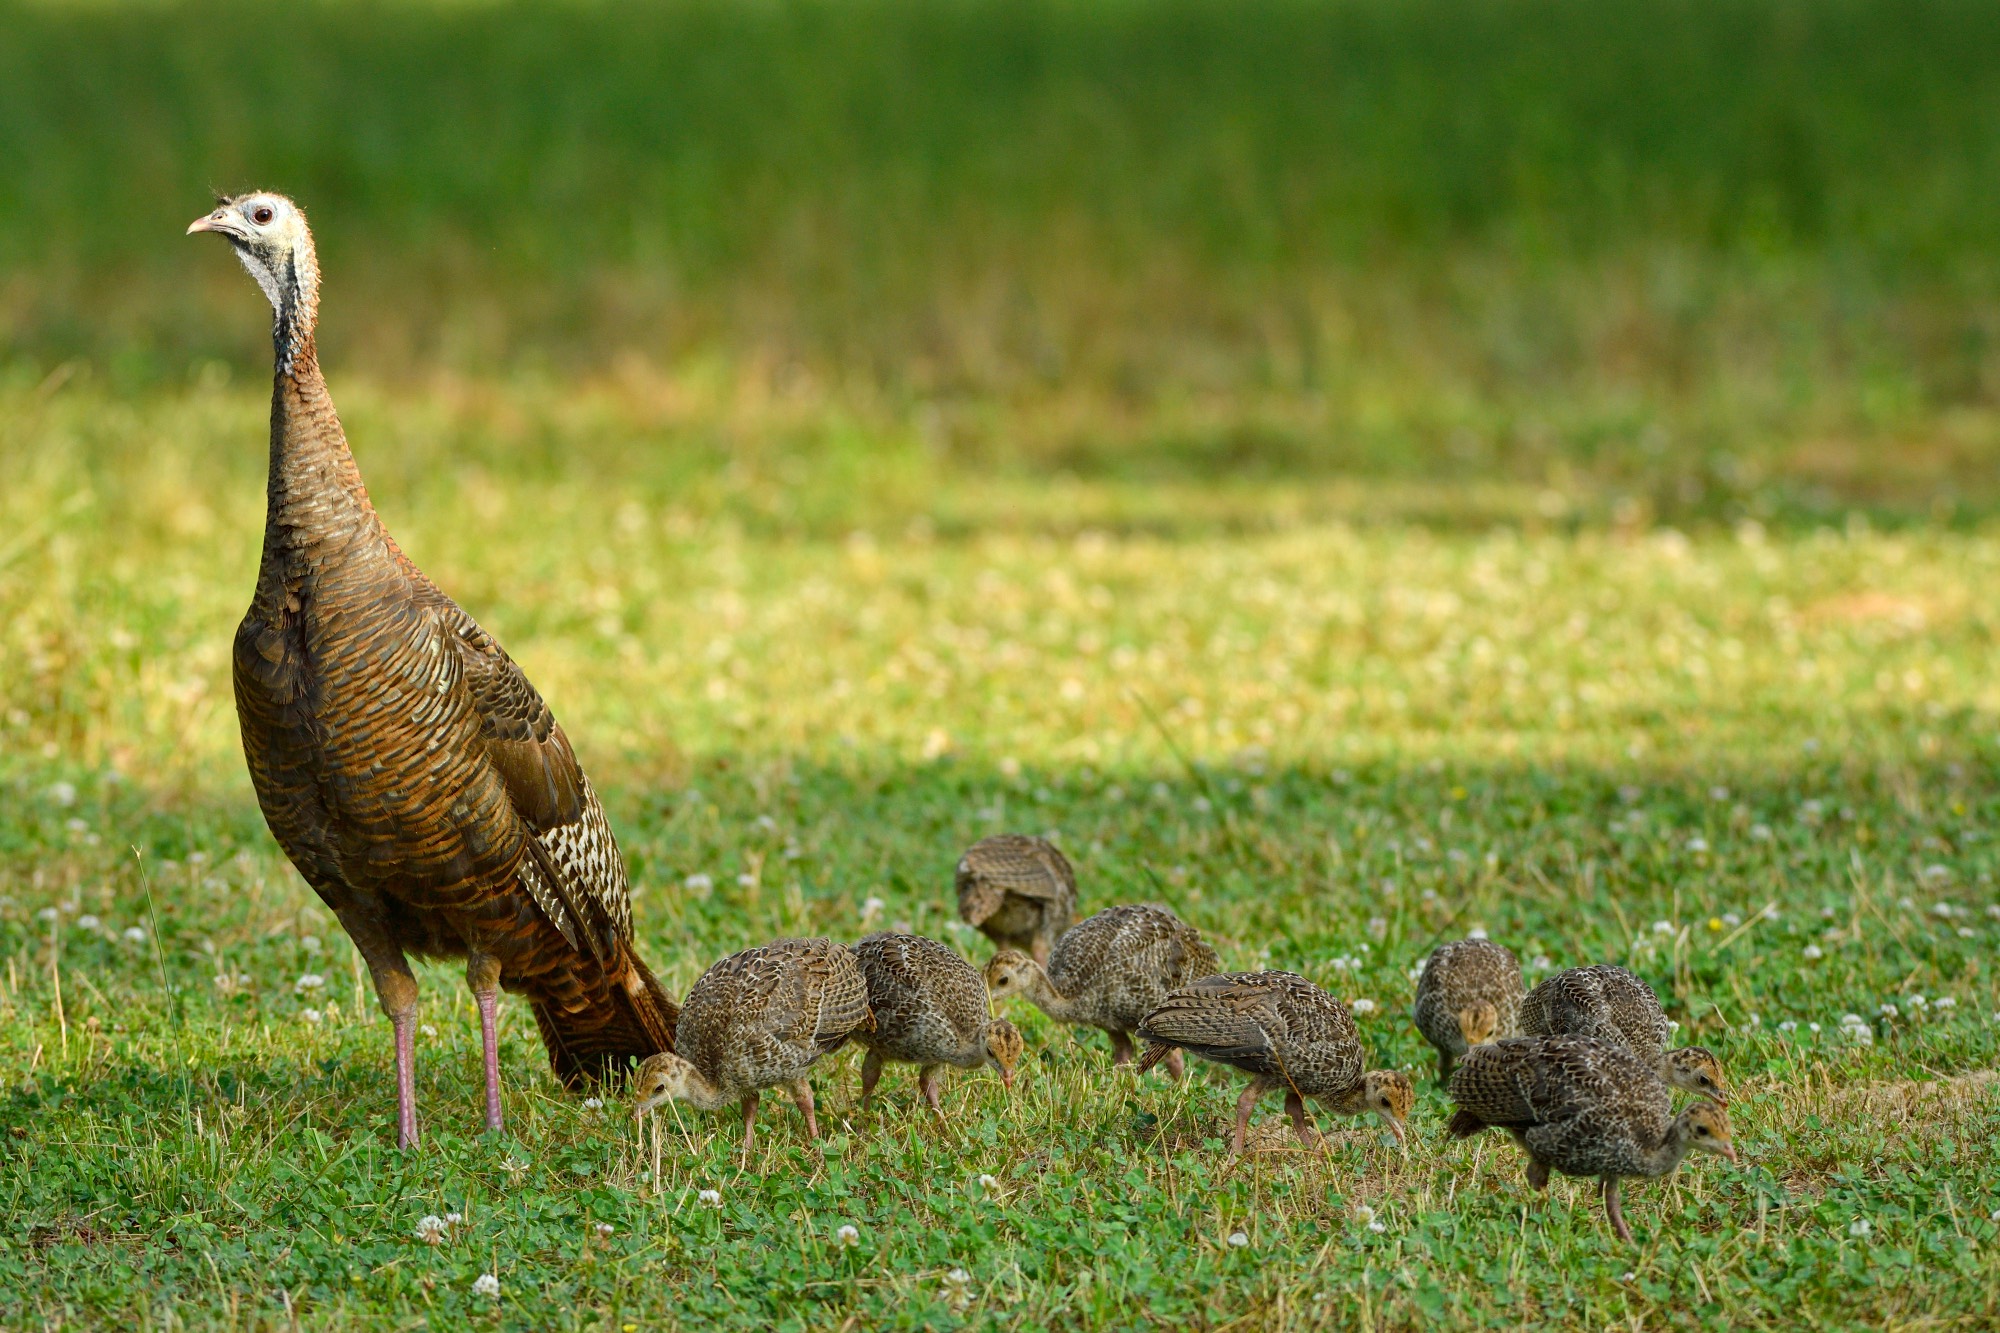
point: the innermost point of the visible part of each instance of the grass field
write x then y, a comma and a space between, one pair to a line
1357, 475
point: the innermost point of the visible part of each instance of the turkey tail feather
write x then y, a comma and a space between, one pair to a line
599, 1045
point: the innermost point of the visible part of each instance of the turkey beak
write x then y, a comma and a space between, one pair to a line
1729, 1154
215, 221
1007, 1079
1396, 1128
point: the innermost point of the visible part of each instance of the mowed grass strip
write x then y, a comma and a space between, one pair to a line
1755, 764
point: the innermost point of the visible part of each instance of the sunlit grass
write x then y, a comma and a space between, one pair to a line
808, 662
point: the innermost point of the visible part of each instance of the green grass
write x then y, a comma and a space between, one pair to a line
1317, 738
1242, 439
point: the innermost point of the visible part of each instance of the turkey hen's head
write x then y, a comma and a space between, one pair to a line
268, 233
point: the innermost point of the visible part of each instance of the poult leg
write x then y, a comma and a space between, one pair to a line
802, 1093
871, 1074
930, 1080
482, 972
749, 1122
1295, 1107
1613, 1211
1121, 1048
1176, 1064
1445, 1063
1244, 1106
1538, 1173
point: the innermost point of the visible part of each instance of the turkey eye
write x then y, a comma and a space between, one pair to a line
261, 214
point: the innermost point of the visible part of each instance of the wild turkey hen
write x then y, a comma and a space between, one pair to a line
402, 760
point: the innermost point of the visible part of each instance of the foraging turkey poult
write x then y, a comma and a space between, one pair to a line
759, 1019
1609, 1003
1019, 891
1583, 1107
930, 1011
1109, 971
1286, 1033
1470, 993
401, 758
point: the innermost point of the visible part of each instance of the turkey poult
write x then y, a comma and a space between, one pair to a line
1109, 971
402, 760
1611, 1004
930, 1011
1286, 1033
1019, 891
1585, 1108
759, 1019
1469, 994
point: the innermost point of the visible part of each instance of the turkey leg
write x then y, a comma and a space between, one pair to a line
396, 992
482, 973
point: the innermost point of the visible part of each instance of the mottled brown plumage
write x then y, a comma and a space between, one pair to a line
1470, 993
1020, 891
1286, 1033
1583, 1107
759, 1019
402, 760
930, 1011
1109, 971
1611, 1004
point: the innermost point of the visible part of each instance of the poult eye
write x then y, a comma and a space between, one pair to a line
262, 214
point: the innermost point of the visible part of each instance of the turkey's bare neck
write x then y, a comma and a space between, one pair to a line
315, 502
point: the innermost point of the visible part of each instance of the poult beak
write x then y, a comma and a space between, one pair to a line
1007, 1079
1396, 1128
216, 221
1729, 1154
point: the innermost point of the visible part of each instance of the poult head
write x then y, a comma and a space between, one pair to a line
1007, 973
1706, 1126
268, 233
1386, 1092
1477, 1023
1003, 1049
1695, 1069
659, 1079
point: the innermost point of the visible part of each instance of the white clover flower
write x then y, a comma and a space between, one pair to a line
62, 793
1967, 932
514, 1166
1345, 964
1202, 805
486, 1284
710, 1198
1378, 926
1363, 1213
746, 880
1770, 912
1812, 1027
1812, 953
871, 911
1628, 1276
1789, 1025
135, 934
1944, 1002
989, 1183
1698, 846
1731, 920
1917, 1002
427, 1029
1663, 927
432, 1229
1476, 933
848, 1236
1361, 1006
309, 981
1718, 793
1541, 962
1888, 1011
1416, 973
453, 1219
1861, 1228
1378, 1227
604, 1230
699, 882
47, 914
311, 1015
310, 943
87, 922
1238, 1239
1935, 874
1993, 910
593, 1103
1761, 833
768, 824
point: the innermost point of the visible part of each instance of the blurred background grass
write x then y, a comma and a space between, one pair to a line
1534, 260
